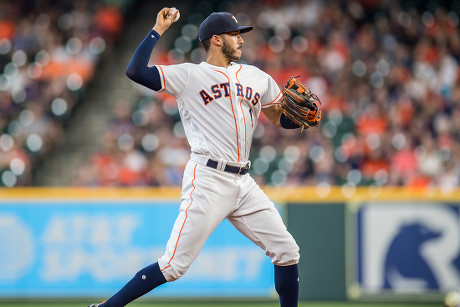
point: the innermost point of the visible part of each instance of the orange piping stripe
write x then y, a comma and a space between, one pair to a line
164, 80
165, 267
244, 117
186, 210
234, 117
272, 100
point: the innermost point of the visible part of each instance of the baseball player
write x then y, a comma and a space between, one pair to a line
219, 102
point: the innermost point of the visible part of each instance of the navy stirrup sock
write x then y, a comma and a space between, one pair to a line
144, 281
287, 285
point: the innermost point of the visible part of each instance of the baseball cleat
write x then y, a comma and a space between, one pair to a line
96, 305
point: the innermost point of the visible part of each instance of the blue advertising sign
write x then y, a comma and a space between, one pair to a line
408, 248
92, 248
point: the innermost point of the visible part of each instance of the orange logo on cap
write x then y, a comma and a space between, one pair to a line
235, 19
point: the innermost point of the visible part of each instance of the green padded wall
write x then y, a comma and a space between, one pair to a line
319, 231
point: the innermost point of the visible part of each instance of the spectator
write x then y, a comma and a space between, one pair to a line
47, 60
387, 77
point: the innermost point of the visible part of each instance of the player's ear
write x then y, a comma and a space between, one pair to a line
217, 40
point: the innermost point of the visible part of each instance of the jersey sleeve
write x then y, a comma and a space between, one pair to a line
272, 94
174, 79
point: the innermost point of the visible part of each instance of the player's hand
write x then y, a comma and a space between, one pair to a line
165, 18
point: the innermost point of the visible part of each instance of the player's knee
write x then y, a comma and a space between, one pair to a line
286, 254
174, 272
174, 275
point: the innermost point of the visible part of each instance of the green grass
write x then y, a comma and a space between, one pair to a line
237, 304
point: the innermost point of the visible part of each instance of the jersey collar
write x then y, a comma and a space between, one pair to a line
232, 64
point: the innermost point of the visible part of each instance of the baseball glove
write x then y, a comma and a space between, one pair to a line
300, 105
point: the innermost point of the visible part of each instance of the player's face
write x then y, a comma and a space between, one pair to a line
232, 46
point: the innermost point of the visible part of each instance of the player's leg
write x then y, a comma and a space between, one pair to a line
259, 220
143, 282
203, 207
287, 285
207, 198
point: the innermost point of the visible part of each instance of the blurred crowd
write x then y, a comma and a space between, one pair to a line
48, 54
386, 72
387, 75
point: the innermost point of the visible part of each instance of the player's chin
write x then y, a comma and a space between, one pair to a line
238, 54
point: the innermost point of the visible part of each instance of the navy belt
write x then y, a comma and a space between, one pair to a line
243, 170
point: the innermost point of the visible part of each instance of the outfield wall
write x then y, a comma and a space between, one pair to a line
357, 244
377, 244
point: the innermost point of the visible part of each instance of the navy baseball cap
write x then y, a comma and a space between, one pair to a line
218, 23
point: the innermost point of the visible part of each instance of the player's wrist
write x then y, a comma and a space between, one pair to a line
155, 33
159, 30
287, 123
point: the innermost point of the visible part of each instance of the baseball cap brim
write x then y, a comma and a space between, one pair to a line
244, 29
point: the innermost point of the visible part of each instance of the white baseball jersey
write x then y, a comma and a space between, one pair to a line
219, 107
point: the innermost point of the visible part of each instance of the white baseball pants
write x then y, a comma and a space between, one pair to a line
208, 197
